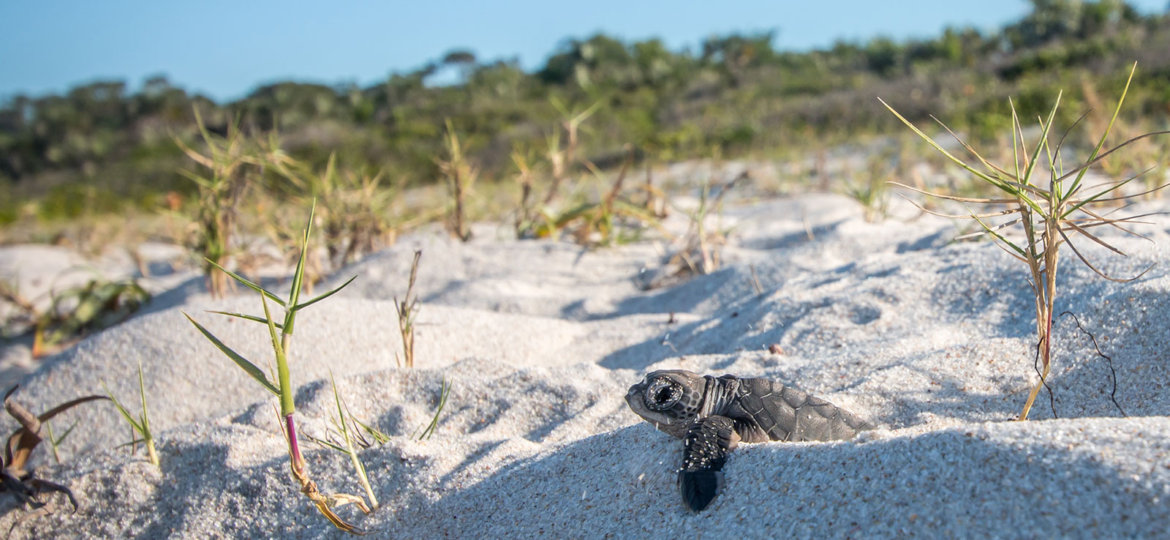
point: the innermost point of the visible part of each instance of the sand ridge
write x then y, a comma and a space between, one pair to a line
927, 338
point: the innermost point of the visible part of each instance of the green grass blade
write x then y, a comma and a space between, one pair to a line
1108, 129
61, 439
1017, 139
323, 296
343, 428
1092, 198
142, 393
1045, 126
294, 295
245, 282
244, 364
980, 174
991, 230
134, 442
125, 413
327, 444
254, 318
444, 391
199, 180
378, 436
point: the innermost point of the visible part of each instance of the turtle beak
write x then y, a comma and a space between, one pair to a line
632, 395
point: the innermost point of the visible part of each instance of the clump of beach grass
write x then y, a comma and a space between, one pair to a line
701, 253
354, 207
227, 160
460, 176
1043, 216
612, 218
872, 191
281, 338
562, 157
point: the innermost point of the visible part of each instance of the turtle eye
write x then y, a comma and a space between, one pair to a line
662, 394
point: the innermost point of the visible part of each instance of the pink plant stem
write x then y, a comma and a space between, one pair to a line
293, 448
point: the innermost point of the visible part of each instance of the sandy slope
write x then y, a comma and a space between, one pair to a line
930, 340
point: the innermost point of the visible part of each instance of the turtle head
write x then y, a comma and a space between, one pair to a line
669, 399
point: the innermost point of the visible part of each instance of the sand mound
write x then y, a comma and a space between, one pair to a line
929, 339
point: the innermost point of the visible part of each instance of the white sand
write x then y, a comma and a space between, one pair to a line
930, 340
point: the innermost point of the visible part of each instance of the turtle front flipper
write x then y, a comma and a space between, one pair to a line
707, 444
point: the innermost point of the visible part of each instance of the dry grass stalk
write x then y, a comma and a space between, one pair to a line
407, 309
15, 477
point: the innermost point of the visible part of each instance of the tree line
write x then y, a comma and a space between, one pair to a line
734, 94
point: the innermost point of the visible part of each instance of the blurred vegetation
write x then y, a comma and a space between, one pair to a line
100, 148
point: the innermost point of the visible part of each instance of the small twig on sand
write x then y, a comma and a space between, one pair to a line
1108, 362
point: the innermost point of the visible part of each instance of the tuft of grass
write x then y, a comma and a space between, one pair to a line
872, 193
355, 208
280, 335
699, 251
460, 176
429, 430
407, 309
564, 157
139, 425
598, 222
700, 242
227, 160
1043, 216
525, 214
590, 222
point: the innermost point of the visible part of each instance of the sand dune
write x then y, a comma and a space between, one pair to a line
930, 340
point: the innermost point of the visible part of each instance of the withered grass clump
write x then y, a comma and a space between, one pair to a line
1043, 216
15, 477
71, 314
77, 311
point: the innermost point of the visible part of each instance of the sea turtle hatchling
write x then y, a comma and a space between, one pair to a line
712, 414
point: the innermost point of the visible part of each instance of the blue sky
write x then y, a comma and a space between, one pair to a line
226, 48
